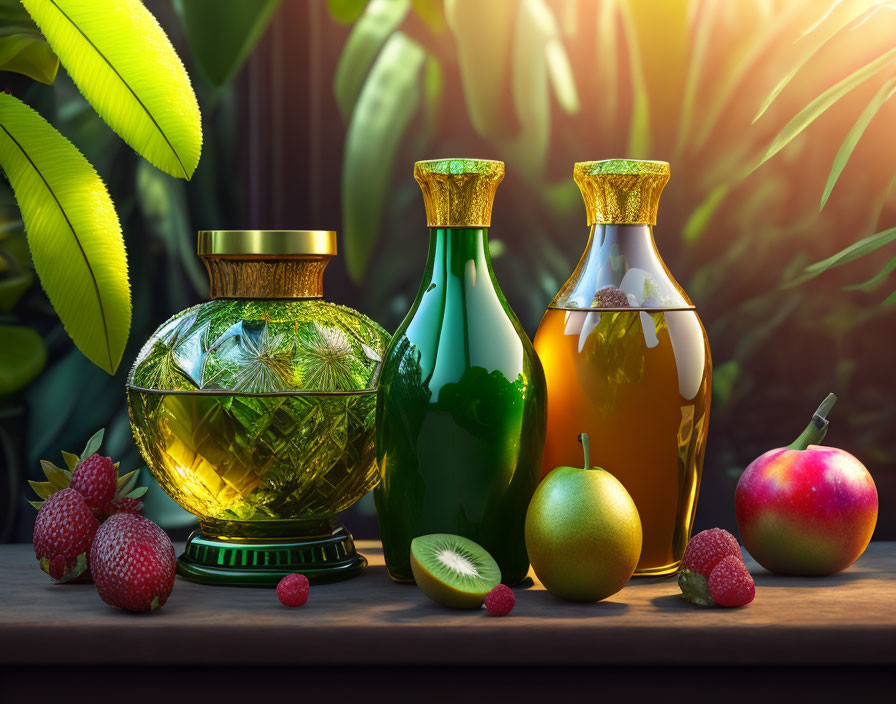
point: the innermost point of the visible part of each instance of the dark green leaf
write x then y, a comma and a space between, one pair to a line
380, 19
12, 288
27, 54
385, 107
22, 356
222, 33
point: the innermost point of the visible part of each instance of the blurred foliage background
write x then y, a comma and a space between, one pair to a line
776, 116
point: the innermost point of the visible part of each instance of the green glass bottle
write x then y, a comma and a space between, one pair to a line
461, 402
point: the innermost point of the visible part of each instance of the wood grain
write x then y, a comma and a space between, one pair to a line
847, 618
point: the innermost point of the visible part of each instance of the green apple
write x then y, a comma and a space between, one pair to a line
583, 532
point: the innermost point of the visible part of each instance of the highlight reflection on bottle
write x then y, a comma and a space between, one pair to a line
626, 360
461, 401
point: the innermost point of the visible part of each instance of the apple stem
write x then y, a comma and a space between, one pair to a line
817, 428
586, 447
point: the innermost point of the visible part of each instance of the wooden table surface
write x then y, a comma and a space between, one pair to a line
843, 619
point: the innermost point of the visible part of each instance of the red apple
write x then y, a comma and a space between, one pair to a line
806, 509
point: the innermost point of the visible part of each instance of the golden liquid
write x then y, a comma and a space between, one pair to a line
638, 382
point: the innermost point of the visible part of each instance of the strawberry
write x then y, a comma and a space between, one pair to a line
96, 478
63, 533
125, 504
132, 562
705, 550
730, 583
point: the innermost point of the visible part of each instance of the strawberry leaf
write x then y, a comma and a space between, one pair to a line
36, 504
43, 489
137, 493
59, 478
694, 588
93, 445
127, 482
71, 460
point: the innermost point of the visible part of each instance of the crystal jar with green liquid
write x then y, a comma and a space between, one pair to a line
255, 411
461, 401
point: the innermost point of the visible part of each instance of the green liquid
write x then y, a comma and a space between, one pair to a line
460, 413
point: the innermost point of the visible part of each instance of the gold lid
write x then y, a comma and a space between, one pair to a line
459, 192
621, 191
275, 243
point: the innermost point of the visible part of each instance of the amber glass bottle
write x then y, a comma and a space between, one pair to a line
627, 361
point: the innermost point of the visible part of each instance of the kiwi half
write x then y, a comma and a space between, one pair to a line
453, 571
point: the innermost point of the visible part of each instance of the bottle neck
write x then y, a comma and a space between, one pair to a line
266, 277
621, 268
458, 251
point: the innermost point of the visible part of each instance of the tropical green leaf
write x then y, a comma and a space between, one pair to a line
93, 445
222, 33
819, 105
530, 89
73, 232
432, 13
482, 33
389, 100
702, 215
559, 69
379, 20
22, 356
163, 203
27, 54
346, 11
855, 15
639, 123
876, 281
71, 460
607, 49
855, 133
849, 254
124, 65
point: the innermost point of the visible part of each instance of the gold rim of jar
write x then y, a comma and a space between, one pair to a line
270, 243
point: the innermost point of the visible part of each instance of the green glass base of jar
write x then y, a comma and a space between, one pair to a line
264, 563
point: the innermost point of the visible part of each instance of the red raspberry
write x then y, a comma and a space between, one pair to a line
500, 601
706, 549
730, 584
293, 590
96, 479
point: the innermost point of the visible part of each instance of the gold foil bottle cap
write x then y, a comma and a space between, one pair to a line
459, 192
266, 263
621, 191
